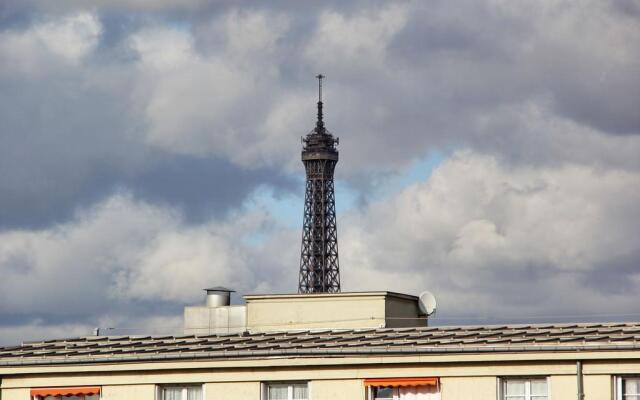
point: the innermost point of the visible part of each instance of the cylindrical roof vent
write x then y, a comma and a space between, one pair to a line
218, 296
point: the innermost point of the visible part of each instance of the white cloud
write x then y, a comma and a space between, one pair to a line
482, 234
127, 264
209, 102
530, 133
290, 118
185, 96
172, 265
222, 87
68, 39
250, 34
72, 37
356, 41
119, 251
160, 48
403, 78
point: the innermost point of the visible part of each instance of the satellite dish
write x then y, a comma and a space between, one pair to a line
427, 302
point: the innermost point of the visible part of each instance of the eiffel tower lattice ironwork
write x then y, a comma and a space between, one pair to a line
319, 269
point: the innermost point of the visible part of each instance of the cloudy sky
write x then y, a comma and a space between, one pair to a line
489, 152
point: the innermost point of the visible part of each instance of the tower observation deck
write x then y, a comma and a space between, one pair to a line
319, 268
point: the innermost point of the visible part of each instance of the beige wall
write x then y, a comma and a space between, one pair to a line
331, 310
231, 391
352, 389
563, 387
15, 394
339, 380
315, 312
598, 387
472, 388
128, 392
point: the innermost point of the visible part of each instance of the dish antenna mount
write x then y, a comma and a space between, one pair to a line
427, 303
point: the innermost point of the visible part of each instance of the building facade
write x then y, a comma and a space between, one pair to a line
378, 360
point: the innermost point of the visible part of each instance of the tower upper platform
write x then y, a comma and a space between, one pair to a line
319, 143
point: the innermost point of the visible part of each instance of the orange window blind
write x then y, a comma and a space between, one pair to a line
66, 391
397, 382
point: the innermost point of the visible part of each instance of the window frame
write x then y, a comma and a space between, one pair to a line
264, 388
617, 385
502, 381
184, 387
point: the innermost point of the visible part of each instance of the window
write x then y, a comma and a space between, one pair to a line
181, 392
286, 391
66, 393
628, 388
524, 389
380, 393
405, 393
403, 388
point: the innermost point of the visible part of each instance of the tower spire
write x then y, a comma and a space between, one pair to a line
319, 270
320, 123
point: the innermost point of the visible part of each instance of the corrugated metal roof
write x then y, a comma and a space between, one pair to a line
317, 343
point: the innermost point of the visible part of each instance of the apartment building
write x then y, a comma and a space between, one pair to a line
346, 346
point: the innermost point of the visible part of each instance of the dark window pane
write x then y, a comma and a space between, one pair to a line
383, 393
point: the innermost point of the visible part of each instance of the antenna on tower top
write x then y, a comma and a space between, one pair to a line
320, 123
320, 78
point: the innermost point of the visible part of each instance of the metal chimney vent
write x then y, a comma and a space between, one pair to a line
218, 296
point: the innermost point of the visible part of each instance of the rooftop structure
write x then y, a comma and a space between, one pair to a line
280, 312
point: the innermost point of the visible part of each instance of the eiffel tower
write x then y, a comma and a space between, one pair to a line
319, 270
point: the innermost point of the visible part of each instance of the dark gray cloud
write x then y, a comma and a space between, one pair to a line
628, 7
204, 187
59, 148
70, 136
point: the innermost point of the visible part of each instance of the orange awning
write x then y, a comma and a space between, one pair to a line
396, 382
66, 391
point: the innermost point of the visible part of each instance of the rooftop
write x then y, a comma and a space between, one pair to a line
299, 296
324, 343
